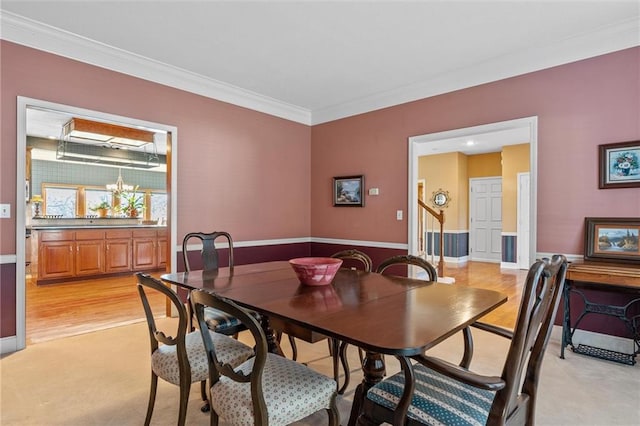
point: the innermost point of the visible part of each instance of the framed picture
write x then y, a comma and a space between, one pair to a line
347, 191
612, 239
620, 165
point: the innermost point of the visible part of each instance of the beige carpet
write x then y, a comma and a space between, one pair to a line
102, 378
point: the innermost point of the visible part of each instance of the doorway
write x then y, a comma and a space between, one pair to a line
24, 104
511, 132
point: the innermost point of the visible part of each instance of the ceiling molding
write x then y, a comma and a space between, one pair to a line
39, 36
606, 40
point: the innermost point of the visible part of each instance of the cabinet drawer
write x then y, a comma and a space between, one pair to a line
144, 233
118, 233
90, 234
56, 236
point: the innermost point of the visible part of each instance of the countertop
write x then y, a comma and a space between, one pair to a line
90, 223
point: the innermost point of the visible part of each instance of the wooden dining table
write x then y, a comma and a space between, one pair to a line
381, 314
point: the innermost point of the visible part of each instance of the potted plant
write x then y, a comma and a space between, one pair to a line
132, 203
102, 208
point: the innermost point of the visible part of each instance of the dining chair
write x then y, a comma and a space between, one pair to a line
445, 393
209, 258
338, 349
391, 263
181, 360
267, 389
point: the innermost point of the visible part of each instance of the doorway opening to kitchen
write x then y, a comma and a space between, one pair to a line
70, 171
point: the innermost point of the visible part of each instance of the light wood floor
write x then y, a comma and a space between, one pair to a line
66, 309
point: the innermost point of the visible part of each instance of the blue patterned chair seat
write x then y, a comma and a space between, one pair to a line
220, 321
437, 399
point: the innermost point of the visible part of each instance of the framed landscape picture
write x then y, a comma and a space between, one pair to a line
347, 191
613, 239
619, 165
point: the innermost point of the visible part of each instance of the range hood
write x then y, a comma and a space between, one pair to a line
106, 134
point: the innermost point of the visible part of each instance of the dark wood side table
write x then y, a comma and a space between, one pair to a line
614, 277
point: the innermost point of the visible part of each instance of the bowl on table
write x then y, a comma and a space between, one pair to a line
315, 270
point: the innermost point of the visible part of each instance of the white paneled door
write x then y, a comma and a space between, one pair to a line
485, 219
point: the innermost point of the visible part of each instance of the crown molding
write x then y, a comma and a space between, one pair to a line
43, 37
37, 35
622, 35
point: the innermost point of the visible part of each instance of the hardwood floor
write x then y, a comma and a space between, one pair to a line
71, 308
66, 309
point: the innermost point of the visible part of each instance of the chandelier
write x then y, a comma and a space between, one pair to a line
119, 186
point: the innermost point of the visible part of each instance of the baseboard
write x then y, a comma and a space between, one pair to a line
8, 344
509, 265
598, 340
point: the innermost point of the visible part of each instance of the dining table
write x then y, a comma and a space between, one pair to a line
382, 314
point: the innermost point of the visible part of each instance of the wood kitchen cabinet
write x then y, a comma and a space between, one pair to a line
90, 253
56, 255
81, 253
149, 249
118, 250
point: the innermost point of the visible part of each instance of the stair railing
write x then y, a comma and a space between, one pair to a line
440, 218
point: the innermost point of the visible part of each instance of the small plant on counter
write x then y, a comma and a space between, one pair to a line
102, 208
131, 203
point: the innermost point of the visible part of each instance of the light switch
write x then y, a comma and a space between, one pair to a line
373, 191
5, 211
399, 214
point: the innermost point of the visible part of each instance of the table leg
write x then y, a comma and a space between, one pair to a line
272, 343
374, 370
566, 319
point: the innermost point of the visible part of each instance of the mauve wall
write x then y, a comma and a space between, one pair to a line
238, 169
579, 106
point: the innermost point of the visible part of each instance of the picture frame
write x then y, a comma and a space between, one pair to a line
348, 191
619, 165
613, 239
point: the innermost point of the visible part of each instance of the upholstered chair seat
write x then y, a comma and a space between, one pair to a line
163, 359
291, 392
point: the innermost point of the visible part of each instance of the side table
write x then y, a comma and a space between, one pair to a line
602, 276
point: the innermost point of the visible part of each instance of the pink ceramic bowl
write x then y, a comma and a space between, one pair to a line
315, 270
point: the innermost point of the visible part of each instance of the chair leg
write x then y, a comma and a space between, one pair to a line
294, 348
335, 356
334, 414
152, 398
345, 367
184, 399
203, 392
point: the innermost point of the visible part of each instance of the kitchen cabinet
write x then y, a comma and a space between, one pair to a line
56, 255
149, 249
118, 250
90, 253
82, 253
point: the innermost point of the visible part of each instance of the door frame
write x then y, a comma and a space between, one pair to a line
20, 211
417, 148
523, 217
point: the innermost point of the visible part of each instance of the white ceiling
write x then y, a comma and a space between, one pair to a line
312, 61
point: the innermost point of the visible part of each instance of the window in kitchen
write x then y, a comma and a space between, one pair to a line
159, 207
60, 201
94, 197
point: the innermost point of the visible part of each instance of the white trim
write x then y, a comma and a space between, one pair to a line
509, 265
416, 148
27, 32
8, 344
605, 40
456, 260
21, 147
398, 246
37, 35
509, 234
8, 259
570, 257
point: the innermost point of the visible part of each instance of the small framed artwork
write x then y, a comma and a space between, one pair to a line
613, 239
619, 165
347, 191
